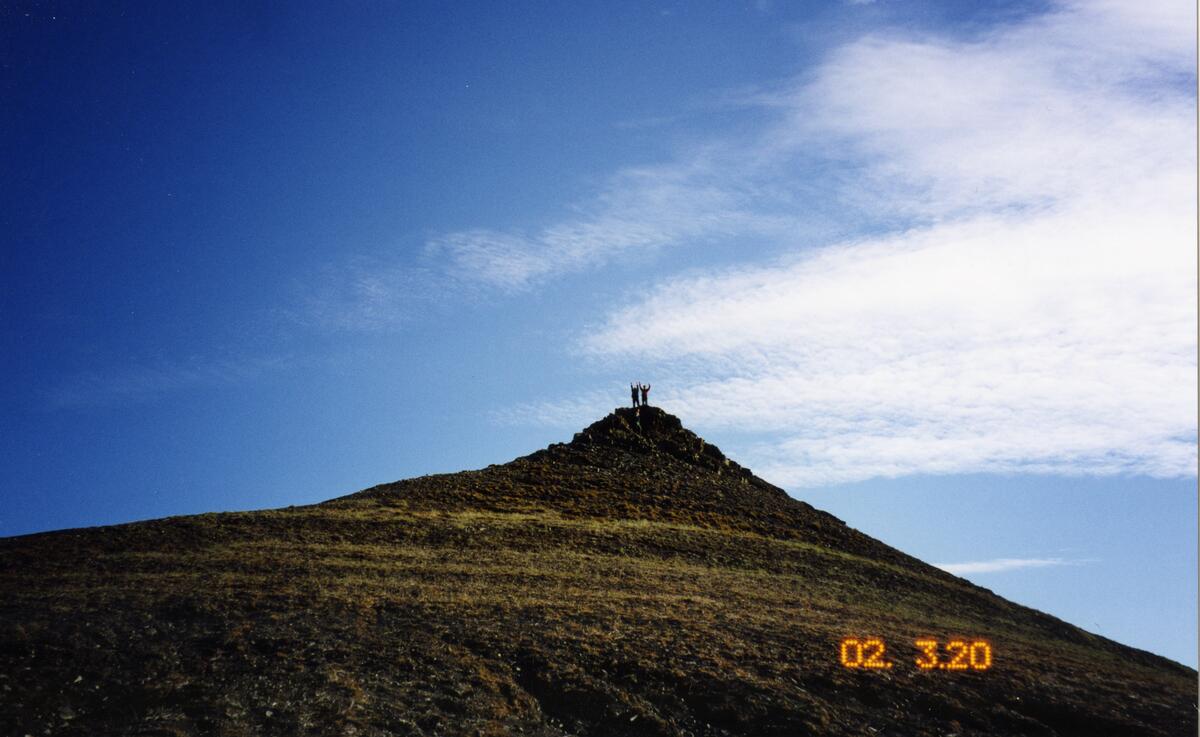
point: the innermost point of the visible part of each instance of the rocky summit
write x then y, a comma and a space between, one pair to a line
634, 581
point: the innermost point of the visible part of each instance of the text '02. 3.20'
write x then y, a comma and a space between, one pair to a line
871, 653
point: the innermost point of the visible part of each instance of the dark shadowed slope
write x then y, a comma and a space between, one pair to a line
631, 582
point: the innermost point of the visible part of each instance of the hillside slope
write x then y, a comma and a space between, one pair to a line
631, 582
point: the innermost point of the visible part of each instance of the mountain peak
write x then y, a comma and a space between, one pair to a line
632, 582
651, 429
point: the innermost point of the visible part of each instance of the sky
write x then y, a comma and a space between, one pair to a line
930, 266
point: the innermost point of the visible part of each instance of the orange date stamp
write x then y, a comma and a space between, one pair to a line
871, 653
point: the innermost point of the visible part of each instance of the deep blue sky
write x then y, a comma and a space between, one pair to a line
258, 256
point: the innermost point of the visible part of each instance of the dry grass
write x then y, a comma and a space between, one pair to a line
591, 589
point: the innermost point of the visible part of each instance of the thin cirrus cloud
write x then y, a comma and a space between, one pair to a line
642, 209
145, 382
999, 565
367, 294
1037, 313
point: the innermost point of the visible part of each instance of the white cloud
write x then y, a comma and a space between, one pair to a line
1024, 116
1004, 564
1051, 343
1039, 316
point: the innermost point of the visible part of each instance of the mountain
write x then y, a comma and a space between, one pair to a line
633, 581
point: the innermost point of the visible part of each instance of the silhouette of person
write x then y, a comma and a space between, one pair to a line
645, 395
633, 392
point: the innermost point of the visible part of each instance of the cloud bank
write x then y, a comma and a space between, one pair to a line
1000, 565
1036, 313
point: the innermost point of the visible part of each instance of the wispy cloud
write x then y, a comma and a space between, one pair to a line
998, 565
640, 211
573, 412
138, 383
381, 292
1036, 313
706, 198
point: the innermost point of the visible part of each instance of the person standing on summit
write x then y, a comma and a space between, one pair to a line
633, 392
645, 395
